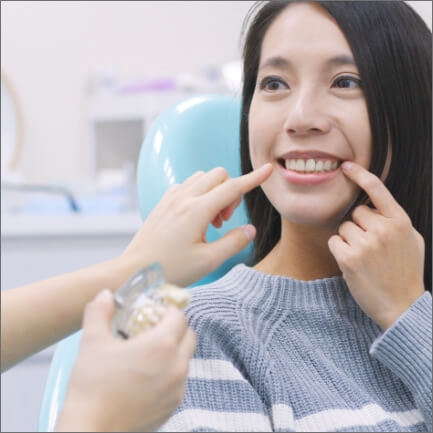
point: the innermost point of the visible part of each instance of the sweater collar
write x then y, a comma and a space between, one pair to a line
259, 289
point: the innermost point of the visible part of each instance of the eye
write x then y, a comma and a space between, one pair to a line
272, 84
347, 82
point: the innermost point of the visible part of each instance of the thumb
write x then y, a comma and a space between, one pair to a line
99, 312
232, 242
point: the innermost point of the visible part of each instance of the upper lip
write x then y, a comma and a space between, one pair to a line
298, 154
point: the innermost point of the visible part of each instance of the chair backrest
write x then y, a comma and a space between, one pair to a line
199, 133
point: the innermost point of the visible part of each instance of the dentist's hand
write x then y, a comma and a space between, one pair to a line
174, 233
380, 253
126, 385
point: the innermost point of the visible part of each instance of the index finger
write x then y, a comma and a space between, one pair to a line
379, 194
228, 192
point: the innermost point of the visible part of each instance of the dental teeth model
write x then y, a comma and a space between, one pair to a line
142, 301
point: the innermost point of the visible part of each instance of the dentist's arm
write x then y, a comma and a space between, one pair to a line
37, 315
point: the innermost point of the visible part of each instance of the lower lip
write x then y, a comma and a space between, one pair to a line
307, 179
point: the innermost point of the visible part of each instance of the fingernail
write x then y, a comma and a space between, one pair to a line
346, 165
250, 231
103, 295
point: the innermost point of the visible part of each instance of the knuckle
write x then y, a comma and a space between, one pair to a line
403, 223
371, 184
364, 243
174, 189
357, 212
182, 207
234, 185
343, 227
381, 233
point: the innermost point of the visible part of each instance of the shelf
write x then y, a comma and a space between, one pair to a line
15, 226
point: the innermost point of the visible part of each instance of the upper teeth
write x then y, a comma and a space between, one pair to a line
310, 165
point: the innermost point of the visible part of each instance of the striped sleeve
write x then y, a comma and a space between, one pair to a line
218, 398
406, 349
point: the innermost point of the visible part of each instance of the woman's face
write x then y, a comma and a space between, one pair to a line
308, 105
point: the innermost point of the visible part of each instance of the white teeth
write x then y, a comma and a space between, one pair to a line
300, 165
310, 165
327, 165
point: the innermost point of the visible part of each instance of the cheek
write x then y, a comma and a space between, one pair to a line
358, 133
264, 128
256, 133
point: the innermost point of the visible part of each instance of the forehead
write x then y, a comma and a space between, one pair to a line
302, 29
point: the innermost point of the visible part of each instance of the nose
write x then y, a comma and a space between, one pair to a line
306, 116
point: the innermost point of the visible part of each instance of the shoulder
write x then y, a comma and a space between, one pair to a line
215, 309
216, 301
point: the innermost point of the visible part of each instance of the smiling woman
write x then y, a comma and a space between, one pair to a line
330, 328
337, 90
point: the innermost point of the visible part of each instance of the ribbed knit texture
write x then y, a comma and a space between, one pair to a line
277, 354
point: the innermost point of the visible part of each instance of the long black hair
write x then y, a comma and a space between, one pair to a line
392, 47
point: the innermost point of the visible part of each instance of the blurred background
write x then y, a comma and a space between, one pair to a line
81, 83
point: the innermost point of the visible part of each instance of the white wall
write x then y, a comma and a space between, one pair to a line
49, 49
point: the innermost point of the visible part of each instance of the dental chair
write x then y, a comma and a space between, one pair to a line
199, 133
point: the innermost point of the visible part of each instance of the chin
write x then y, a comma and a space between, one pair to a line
314, 216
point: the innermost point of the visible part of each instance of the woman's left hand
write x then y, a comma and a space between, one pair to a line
380, 253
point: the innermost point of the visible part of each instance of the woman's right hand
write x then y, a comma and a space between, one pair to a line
126, 385
174, 233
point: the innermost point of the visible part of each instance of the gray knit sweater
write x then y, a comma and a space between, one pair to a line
277, 354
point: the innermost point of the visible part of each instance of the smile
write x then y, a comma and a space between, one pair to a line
308, 171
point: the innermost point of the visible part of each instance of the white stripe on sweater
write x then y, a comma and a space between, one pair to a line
334, 419
326, 420
213, 369
191, 419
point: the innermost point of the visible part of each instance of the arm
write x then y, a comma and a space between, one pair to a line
406, 349
174, 234
53, 308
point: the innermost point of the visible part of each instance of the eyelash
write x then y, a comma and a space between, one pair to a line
348, 77
269, 79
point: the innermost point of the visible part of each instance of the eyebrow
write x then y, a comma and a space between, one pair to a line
282, 63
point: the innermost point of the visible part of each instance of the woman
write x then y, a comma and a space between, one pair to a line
330, 329
132, 385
